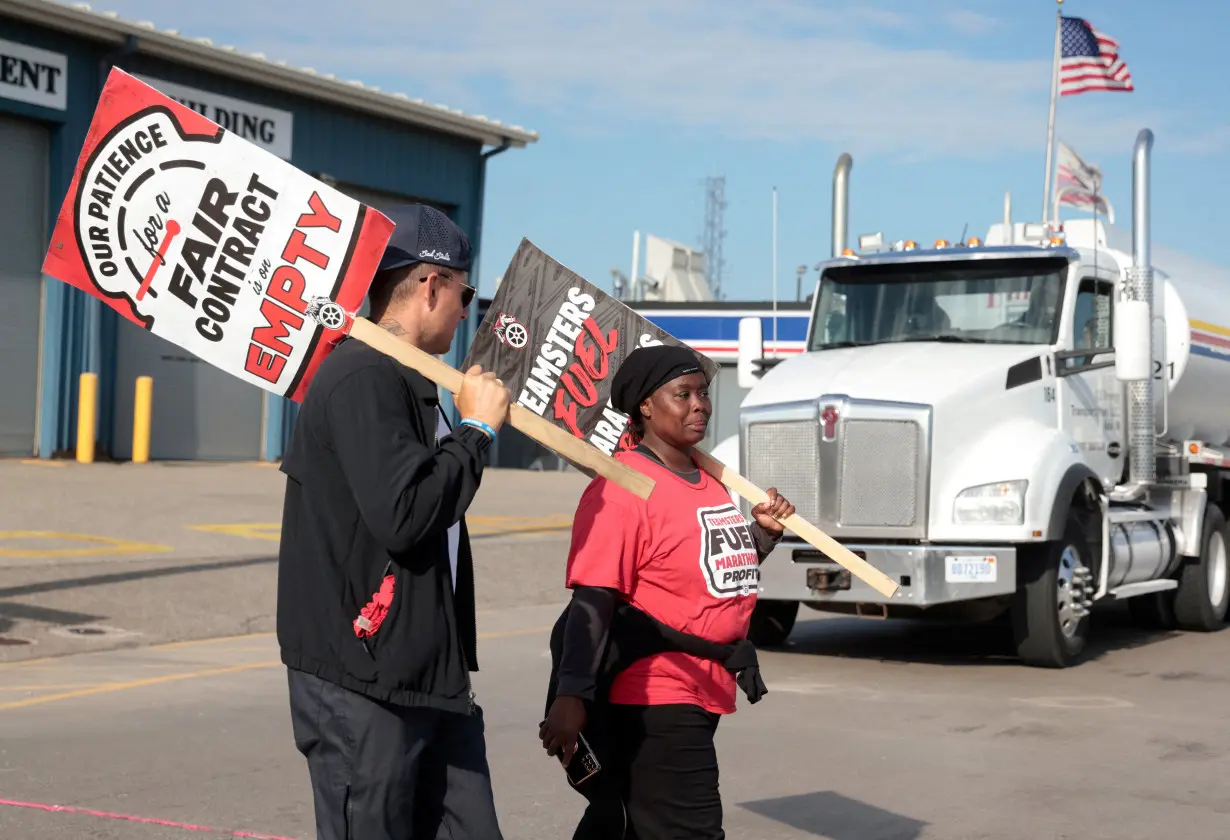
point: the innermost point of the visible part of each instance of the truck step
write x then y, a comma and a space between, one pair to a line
1145, 587
1134, 515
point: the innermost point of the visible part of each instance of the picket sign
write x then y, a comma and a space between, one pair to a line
209, 241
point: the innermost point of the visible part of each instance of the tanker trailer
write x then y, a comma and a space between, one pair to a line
1024, 427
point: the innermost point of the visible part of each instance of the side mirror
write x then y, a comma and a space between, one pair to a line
751, 350
1132, 332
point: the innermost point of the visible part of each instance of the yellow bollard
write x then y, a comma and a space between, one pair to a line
141, 412
87, 417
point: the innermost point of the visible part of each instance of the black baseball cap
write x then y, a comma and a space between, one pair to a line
424, 234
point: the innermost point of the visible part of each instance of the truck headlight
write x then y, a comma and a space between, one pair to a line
1001, 503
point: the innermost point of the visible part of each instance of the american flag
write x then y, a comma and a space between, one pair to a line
1090, 60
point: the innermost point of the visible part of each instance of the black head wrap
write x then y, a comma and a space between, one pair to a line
646, 370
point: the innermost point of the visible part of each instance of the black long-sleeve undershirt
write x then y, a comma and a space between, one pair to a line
585, 639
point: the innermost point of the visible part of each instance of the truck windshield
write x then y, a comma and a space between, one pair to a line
992, 301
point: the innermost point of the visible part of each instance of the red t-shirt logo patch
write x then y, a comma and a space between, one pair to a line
727, 552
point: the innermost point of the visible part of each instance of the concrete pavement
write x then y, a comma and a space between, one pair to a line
912, 735
103, 555
177, 726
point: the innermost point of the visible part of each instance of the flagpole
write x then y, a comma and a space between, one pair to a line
775, 272
1050, 124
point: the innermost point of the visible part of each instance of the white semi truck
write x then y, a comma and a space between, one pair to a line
1021, 427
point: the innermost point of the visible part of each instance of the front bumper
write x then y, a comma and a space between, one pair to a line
927, 575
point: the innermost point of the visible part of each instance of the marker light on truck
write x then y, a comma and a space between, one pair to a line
1001, 503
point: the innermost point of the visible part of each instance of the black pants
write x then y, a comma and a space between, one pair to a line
664, 771
385, 772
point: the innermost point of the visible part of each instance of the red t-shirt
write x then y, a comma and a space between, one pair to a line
685, 557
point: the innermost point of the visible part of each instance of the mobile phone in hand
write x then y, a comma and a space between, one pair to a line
584, 763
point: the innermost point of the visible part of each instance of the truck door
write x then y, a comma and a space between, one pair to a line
1090, 398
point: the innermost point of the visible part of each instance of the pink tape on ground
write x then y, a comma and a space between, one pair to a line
66, 809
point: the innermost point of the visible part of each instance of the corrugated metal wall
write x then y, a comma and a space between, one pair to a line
79, 334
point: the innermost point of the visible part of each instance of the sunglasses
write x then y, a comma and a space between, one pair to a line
467, 291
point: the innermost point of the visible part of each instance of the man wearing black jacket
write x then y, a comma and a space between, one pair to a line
376, 614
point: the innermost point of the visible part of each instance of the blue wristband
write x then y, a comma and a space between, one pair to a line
478, 424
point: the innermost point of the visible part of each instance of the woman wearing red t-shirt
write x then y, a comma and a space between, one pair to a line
688, 558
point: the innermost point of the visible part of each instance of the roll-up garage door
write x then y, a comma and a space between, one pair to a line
23, 222
199, 412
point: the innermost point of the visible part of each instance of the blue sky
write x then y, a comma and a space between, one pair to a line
942, 103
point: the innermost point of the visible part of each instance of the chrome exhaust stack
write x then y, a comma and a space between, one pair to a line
1139, 288
841, 203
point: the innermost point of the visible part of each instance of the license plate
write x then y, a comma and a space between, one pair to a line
970, 569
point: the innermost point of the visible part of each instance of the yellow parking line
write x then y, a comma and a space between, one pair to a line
40, 462
104, 688
121, 686
98, 545
46, 660
491, 525
251, 530
528, 528
479, 526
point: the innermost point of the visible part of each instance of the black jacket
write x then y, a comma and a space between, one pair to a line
369, 494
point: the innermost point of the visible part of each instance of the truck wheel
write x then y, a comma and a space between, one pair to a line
1201, 599
1050, 619
772, 622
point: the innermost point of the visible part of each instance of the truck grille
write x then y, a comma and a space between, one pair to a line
879, 473
786, 455
871, 481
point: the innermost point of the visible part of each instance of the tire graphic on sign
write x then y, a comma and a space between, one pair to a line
327, 313
516, 336
510, 331
728, 558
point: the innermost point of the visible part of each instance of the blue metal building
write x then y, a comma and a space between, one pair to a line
377, 147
